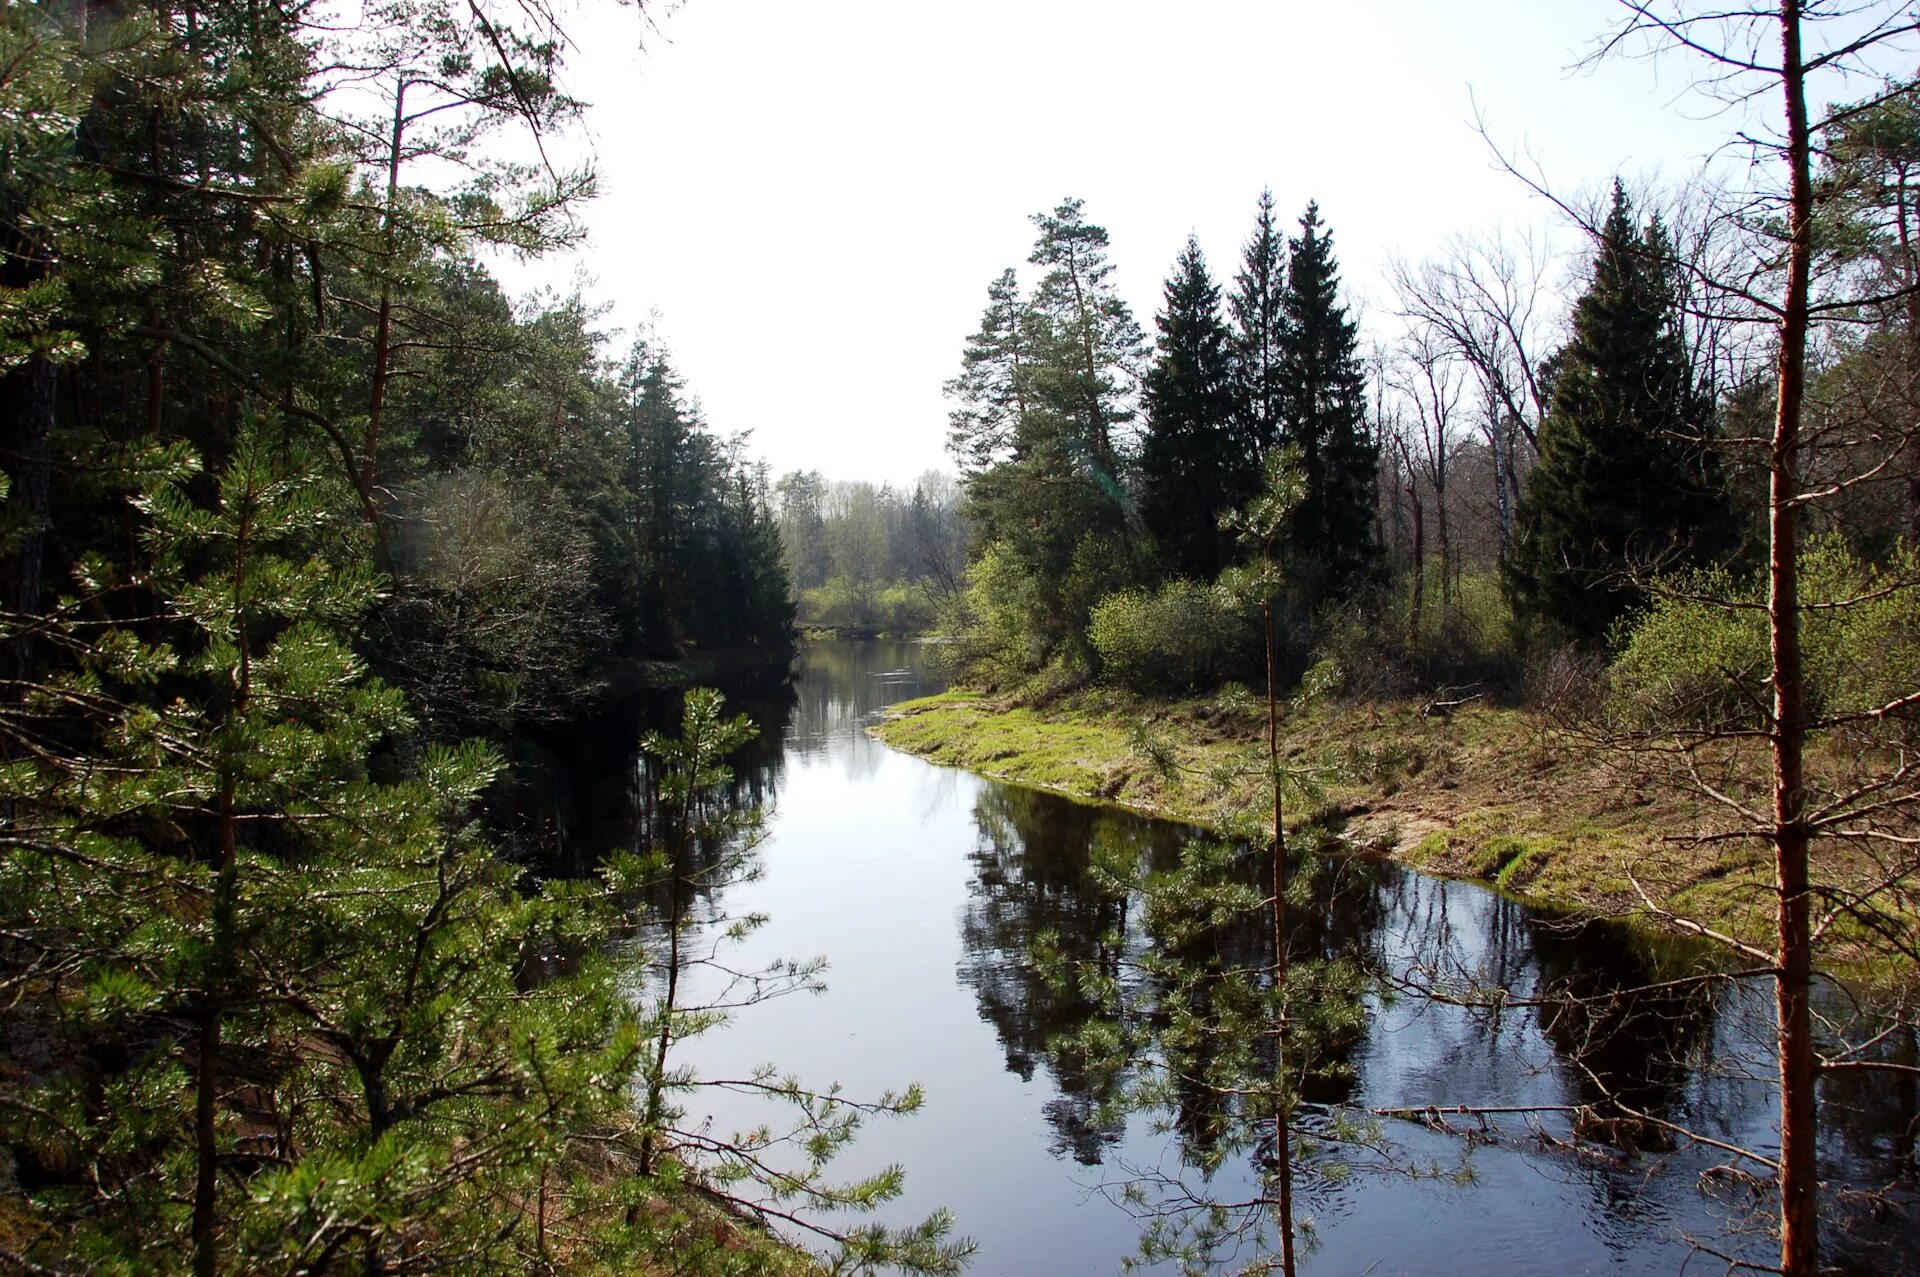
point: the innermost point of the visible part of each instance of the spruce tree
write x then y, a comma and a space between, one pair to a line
1331, 547
1191, 465
1257, 304
1624, 485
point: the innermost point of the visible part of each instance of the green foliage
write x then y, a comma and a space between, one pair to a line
1045, 385
1178, 637
227, 909
1193, 462
996, 623
299, 496
1625, 485
693, 547
1699, 657
1331, 546
1258, 307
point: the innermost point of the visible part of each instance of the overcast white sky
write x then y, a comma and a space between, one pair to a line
812, 195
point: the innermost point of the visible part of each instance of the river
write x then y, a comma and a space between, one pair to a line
923, 887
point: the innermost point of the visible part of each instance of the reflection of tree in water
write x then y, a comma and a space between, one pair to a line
1035, 872
572, 797
1627, 1022
841, 687
1870, 1118
1631, 1028
1047, 866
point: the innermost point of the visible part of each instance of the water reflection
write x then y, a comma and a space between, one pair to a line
928, 887
1604, 1028
1036, 869
573, 797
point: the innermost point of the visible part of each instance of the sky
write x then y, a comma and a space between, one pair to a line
806, 199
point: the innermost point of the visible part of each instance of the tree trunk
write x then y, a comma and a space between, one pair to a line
1502, 509
1799, 1217
1282, 1150
1910, 269
1419, 557
26, 425
206, 1134
383, 326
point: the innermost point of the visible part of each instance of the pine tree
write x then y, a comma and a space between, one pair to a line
1045, 387
1191, 464
1089, 347
1259, 326
1331, 543
1624, 484
286, 990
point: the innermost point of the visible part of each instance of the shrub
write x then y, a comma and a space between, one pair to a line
1467, 640
996, 622
1176, 638
1699, 656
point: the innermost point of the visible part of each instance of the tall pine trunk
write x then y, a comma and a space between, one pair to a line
383, 324
1282, 1107
1799, 1217
26, 425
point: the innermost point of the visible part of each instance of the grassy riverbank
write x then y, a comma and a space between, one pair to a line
1479, 791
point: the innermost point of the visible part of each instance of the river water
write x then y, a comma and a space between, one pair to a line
924, 887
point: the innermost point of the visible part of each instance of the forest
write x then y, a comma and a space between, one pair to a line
863, 559
308, 521
321, 548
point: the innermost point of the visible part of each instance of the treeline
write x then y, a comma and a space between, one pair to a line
1506, 478
1097, 476
298, 503
866, 559
550, 519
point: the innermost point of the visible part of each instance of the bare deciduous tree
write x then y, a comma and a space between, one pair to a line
1487, 301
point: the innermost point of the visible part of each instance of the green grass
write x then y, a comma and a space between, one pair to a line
1490, 793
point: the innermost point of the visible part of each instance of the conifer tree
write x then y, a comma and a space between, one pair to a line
1090, 346
991, 391
1624, 483
291, 1008
1259, 324
1191, 464
1045, 387
1331, 547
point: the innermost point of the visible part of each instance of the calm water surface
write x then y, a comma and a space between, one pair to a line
923, 887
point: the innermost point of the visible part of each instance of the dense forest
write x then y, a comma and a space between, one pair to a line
310, 525
305, 518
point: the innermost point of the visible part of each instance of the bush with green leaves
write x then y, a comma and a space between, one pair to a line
1181, 636
993, 623
1699, 656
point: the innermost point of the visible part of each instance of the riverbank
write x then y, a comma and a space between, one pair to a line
1473, 790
